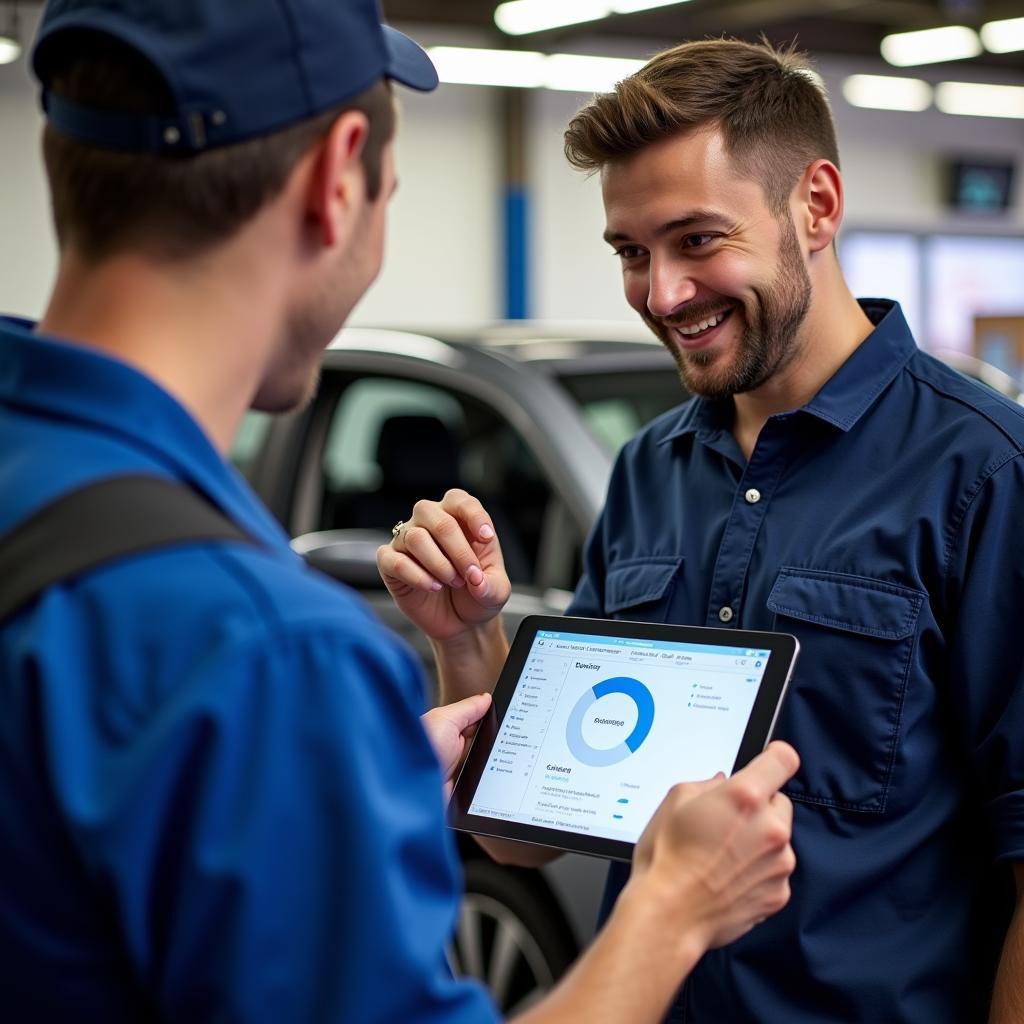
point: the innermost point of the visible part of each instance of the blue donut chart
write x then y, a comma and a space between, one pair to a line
601, 757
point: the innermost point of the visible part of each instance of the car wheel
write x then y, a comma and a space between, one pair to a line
511, 935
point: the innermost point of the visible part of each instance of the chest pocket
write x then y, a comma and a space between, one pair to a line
641, 589
845, 699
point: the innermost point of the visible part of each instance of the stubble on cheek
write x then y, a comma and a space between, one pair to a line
765, 331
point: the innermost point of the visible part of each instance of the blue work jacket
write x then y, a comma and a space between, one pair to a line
883, 525
216, 798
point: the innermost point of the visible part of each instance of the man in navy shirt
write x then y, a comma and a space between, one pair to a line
831, 481
217, 800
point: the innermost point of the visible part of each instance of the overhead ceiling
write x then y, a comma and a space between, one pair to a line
848, 27
845, 27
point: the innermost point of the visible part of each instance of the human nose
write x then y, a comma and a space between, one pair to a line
669, 288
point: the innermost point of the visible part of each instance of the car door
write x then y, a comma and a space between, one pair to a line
375, 442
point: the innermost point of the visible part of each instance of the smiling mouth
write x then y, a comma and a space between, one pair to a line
695, 330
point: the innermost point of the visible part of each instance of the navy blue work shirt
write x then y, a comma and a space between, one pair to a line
883, 525
216, 798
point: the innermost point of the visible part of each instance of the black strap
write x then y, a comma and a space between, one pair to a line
99, 523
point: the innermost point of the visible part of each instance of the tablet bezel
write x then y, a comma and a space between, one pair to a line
784, 649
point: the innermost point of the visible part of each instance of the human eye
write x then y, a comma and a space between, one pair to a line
697, 241
629, 252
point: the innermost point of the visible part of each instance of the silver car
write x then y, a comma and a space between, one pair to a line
528, 418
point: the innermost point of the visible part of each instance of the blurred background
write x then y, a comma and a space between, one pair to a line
490, 223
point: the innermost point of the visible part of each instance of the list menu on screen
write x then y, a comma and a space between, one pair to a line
599, 728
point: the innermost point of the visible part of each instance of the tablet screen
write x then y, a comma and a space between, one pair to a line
598, 728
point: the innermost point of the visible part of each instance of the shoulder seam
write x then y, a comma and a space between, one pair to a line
1004, 458
1017, 442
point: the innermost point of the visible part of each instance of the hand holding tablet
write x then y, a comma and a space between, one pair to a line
594, 721
727, 843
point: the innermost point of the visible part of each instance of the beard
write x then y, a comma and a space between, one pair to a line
769, 342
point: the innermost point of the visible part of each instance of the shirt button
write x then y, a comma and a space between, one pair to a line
753, 496
725, 614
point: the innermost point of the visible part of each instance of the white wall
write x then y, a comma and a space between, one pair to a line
28, 253
446, 249
443, 265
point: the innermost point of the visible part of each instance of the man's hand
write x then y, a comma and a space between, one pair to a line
449, 728
714, 861
444, 567
717, 853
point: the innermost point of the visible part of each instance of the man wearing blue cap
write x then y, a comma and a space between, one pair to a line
217, 801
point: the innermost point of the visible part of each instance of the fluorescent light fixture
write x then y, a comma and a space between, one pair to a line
576, 73
977, 100
933, 45
886, 92
10, 49
518, 69
632, 6
520, 17
527, 69
1003, 36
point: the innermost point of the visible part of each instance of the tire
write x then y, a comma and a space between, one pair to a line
511, 934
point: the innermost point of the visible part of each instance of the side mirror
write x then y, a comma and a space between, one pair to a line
349, 556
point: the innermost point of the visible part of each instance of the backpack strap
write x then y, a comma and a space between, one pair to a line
100, 523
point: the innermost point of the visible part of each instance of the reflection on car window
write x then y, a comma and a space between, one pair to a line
391, 442
617, 405
249, 441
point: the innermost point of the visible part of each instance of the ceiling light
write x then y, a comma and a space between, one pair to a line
10, 49
933, 45
521, 17
885, 92
977, 100
576, 73
632, 6
522, 69
518, 69
10, 38
1003, 36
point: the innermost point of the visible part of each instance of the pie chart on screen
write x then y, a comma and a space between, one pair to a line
588, 704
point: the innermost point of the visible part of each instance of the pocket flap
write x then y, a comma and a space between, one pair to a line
638, 581
856, 604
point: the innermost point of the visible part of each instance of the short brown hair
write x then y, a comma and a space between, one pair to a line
773, 115
173, 206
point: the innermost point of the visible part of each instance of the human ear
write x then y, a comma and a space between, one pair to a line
819, 195
337, 184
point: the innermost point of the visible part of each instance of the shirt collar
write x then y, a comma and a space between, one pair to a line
848, 393
75, 384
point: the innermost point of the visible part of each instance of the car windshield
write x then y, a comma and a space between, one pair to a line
616, 405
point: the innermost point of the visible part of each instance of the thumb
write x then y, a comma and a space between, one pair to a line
466, 712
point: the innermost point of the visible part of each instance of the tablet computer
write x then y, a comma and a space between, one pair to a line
594, 720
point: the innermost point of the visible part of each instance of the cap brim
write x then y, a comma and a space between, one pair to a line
408, 63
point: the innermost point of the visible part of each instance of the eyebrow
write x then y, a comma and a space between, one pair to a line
697, 217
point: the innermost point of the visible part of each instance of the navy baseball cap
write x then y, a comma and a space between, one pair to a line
235, 68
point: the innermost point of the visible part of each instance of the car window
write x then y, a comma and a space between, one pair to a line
351, 457
616, 405
249, 441
392, 441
